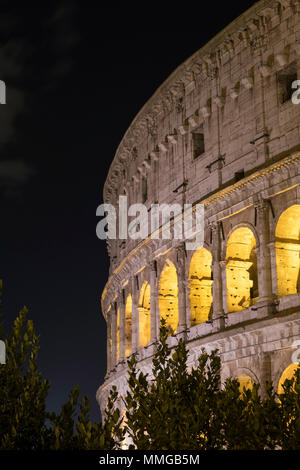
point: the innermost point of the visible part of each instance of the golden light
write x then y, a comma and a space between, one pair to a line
245, 382
128, 326
287, 246
144, 315
124, 443
118, 334
241, 270
288, 373
168, 296
200, 283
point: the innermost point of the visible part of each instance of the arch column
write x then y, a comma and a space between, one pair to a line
114, 314
273, 260
122, 327
109, 344
181, 275
265, 304
218, 279
187, 303
141, 312
265, 359
135, 314
154, 310
223, 268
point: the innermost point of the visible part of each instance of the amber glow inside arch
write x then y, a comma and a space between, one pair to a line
128, 326
241, 270
168, 296
287, 245
144, 315
288, 373
200, 286
245, 382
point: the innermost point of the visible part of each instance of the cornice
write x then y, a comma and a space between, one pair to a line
201, 64
248, 181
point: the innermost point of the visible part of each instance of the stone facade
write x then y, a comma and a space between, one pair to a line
221, 131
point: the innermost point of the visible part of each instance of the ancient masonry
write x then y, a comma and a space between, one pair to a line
222, 131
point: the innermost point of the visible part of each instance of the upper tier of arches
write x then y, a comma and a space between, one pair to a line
240, 277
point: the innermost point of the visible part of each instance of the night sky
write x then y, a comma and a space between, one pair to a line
76, 76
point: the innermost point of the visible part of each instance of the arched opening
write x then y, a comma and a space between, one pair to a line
128, 326
168, 296
125, 441
245, 382
287, 245
118, 334
144, 315
200, 284
241, 270
287, 374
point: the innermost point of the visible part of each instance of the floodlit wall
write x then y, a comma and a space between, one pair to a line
222, 131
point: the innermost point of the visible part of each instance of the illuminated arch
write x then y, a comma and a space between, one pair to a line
287, 245
125, 441
200, 283
144, 315
168, 296
128, 326
288, 373
118, 334
241, 270
245, 382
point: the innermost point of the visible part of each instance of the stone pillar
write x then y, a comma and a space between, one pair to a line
154, 311
140, 326
109, 343
272, 248
187, 303
265, 301
122, 326
114, 314
135, 314
265, 361
218, 278
181, 274
223, 265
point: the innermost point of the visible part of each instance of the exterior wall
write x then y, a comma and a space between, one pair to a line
247, 176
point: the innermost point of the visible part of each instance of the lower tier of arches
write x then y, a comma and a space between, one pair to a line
265, 351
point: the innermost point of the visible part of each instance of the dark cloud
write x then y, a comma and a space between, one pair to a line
14, 172
15, 100
65, 35
11, 59
34, 58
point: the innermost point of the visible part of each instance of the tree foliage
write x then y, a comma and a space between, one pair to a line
178, 408
25, 423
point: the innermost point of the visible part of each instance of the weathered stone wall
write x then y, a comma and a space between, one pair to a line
235, 94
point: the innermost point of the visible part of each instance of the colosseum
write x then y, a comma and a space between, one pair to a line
222, 131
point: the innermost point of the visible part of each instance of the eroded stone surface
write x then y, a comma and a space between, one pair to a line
222, 129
